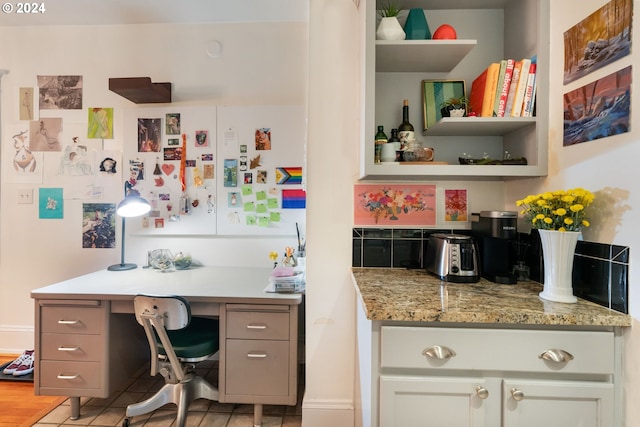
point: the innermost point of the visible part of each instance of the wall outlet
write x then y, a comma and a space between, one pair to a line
25, 196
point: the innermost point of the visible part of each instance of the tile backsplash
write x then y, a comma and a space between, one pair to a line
600, 271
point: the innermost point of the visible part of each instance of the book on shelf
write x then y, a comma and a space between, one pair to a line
523, 80
503, 88
530, 91
483, 91
515, 77
496, 100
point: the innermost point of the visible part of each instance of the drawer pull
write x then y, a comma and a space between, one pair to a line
68, 322
517, 394
257, 355
438, 352
68, 377
256, 326
482, 392
68, 348
556, 355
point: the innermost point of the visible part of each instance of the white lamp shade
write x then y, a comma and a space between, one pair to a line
132, 206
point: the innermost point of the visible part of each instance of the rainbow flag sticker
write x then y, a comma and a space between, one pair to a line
291, 175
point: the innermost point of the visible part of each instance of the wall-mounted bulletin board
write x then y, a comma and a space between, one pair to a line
242, 173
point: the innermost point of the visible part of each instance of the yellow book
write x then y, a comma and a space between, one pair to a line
493, 71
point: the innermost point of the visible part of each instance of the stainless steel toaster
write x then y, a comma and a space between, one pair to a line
453, 258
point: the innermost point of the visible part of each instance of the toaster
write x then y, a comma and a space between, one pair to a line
453, 258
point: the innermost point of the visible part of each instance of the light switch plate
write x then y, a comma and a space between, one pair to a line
25, 196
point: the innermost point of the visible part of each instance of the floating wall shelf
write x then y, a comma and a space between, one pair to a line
141, 90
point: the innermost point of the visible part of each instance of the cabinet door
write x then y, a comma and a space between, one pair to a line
529, 403
428, 401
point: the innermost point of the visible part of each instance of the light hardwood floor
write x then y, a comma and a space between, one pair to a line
18, 405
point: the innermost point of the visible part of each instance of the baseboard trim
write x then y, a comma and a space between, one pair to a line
16, 339
326, 412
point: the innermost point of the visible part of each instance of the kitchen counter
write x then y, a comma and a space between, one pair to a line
416, 296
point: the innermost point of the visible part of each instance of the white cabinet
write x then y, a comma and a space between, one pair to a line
463, 377
488, 31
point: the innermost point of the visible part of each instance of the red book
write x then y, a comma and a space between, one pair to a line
483, 91
529, 98
504, 88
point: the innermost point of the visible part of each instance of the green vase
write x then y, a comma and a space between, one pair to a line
416, 27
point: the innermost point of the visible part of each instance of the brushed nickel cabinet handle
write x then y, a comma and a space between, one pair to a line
256, 326
257, 355
68, 377
517, 394
556, 355
439, 352
482, 392
68, 348
68, 322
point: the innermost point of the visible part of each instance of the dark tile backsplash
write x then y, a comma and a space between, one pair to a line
600, 271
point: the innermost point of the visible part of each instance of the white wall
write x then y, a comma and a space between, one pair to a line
608, 167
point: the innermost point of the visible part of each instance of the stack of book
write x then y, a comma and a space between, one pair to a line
505, 89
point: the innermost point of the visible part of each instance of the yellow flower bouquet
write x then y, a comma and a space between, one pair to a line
562, 210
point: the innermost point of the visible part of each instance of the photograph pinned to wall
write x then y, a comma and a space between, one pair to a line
598, 40
100, 123
173, 126
455, 205
378, 204
173, 142
50, 203
108, 165
60, 92
243, 163
243, 148
76, 159
202, 138
230, 172
172, 153
294, 199
44, 134
248, 178
208, 171
149, 135
26, 103
289, 175
598, 109
136, 171
98, 225
234, 199
261, 176
158, 222
263, 139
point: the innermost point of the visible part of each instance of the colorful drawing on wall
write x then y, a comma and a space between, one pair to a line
230, 172
294, 199
202, 138
44, 134
50, 203
263, 139
60, 92
455, 205
75, 160
599, 109
100, 124
26, 103
98, 225
600, 39
378, 204
149, 135
289, 175
172, 121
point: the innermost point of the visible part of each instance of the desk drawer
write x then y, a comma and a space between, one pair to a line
257, 325
257, 368
71, 320
69, 375
71, 347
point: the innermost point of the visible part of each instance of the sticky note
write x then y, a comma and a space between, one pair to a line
263, 221
272, 203
274, 216
247, 190
261, 208
250, 207
261, 195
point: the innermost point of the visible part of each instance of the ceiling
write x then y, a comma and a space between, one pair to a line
113, 12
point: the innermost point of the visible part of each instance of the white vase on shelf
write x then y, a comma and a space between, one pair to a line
390, 29
558, 249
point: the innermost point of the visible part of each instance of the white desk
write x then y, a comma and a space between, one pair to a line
88, 344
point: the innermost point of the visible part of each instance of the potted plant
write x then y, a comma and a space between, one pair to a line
389, 27
454, 107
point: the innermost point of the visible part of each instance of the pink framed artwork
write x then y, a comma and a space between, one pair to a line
455, 205
398, 204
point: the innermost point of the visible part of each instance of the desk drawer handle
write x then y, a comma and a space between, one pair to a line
68, 377
256, 326
68, 348
556, 355
68, 322
257, 355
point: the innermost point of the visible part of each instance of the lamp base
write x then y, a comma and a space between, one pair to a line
122, 267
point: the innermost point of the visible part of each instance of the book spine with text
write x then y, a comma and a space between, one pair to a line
504, 88
516, 109
512, 87
527, 103
496, 101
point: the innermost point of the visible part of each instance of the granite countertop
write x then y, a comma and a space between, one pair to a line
417, 296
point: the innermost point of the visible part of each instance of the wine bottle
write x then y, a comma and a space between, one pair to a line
405, 130
394, 138
381, 138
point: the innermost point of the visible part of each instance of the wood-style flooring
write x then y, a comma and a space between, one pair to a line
18, 405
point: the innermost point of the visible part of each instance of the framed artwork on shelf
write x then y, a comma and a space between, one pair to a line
436, 95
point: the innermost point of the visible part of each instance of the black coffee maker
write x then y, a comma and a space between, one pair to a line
496, 235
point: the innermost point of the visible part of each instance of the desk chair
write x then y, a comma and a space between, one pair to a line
177, 342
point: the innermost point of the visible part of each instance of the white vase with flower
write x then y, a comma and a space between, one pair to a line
559, 217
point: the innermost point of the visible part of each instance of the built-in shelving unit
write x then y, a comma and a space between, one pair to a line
409, 55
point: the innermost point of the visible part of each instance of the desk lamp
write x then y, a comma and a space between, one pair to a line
132, 205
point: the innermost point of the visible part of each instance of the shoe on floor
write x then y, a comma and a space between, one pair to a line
13, 366
23, 365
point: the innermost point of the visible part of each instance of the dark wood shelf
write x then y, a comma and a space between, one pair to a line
140, 90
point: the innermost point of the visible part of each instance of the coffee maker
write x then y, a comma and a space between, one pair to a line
496, 235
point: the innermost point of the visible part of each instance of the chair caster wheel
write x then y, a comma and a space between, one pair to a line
126, 422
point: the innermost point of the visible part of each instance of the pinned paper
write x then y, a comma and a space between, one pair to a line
272, 203
261, 195
261, 208
274, 216
247, 190
263, 221
251, 220
249, 207
289, 175
294, 199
